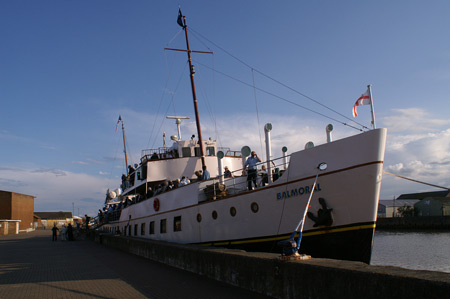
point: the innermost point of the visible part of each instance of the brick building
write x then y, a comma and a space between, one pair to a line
48, 219
16, 206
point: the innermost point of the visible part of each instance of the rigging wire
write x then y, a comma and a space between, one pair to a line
416, 181
113, 166
168, 107
282, 84
257, 112
213, 113
282, 98
207, 101
160, 102
214, 99
175, 36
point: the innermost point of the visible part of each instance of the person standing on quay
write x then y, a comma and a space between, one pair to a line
251, 164
55, 232
63, 233
70, 232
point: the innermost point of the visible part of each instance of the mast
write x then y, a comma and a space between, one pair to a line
194, 96
182, 23
124, 145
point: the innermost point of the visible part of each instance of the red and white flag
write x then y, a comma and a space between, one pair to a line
364, 99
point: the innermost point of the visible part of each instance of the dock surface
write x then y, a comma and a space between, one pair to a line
32, 266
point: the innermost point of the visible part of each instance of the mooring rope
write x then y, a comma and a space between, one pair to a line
412, 180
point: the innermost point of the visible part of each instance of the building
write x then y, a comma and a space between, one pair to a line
423, 195
389, 208
433, 206
16, 206
48, 219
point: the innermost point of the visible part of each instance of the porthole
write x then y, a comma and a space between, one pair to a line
199, 217
233, 211
254, 206
214, 215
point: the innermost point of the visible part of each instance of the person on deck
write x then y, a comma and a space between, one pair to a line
227, 173
263, 174
205, 176
184, 181
251, 163
199, 175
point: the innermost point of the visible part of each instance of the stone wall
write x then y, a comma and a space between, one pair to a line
265, 273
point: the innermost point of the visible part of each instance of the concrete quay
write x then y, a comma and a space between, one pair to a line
266, 274
32, 266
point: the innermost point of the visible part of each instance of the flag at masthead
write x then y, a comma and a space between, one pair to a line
180, 18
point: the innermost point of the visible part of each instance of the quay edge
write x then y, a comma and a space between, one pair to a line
264, 273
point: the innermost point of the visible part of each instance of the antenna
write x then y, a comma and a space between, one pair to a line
178, 122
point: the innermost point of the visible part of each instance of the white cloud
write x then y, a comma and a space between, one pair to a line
413, 120
80, 162
56, 189
420, 151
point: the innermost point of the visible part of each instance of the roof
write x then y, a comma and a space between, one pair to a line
54, 215
444, 200
424, 195
11, 192
398, 203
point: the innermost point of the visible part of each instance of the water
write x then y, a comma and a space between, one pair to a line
412, 250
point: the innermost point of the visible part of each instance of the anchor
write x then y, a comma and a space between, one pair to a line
324, 216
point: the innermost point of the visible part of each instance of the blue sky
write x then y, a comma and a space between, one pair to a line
68, 69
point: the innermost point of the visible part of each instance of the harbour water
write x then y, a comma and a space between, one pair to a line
412, 250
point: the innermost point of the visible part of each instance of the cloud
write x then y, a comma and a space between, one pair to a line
56, 172
413, 120
56, 189
420, 151
80, 162
95, 161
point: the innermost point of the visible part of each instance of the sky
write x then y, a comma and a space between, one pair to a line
68, 69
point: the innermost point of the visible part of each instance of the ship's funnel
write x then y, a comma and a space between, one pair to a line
329, 129
267, 129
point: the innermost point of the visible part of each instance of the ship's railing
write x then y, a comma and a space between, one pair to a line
106, 217
157, 154
211, 189
229, 153
238, 183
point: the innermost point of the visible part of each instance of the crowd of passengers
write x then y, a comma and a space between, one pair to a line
108, 212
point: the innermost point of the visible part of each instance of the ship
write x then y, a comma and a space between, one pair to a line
331, 189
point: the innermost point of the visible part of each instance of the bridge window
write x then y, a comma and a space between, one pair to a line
210, 151
197, 151
163, 226
142, 229
152, 228
135, 229
177, 224
186, 151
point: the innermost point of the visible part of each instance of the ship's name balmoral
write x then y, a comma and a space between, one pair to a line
297, 192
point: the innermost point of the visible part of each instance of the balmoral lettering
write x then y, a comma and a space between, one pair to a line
297, 192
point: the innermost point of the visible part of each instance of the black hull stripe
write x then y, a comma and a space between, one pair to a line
323, 231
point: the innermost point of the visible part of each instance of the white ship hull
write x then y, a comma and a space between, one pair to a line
256, 220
